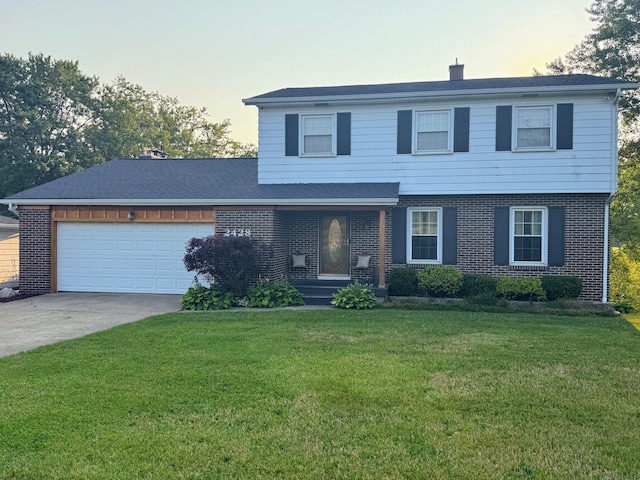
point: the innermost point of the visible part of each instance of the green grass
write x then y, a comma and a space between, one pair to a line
328, 394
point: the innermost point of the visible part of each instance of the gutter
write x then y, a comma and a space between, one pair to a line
13, 208
614, 189
217, 202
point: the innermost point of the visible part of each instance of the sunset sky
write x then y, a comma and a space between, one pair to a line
211, 53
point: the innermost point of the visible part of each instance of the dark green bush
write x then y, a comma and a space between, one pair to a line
623, 306
234, 263
356, 296
478, 285
200, 297
557, 287
521, 289
403, 281
440, 281
274, 294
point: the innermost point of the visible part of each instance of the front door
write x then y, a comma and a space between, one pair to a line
334, 244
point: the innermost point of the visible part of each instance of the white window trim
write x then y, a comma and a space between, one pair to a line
438, 260
334, 135
545, 235
514, 129
414, 132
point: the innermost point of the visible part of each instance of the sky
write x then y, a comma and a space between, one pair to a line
214, 53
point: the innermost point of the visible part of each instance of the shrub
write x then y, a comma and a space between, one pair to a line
356, 296
403, 281
478, 285
200, 297
440, 281
625, 277
234, 263
274, 294
557, 287
521, 288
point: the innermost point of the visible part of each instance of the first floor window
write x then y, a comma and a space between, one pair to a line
533, 127
425, 239
317, 135
432, 131
528, 236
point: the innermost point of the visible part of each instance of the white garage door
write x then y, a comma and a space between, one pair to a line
125, 257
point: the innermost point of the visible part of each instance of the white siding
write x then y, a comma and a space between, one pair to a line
585, 168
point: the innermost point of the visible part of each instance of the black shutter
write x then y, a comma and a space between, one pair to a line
564, 139
291, 134
461, 129
503, 128
399, 234
556, 236
404, 131
344, 134
501, 236
449, 236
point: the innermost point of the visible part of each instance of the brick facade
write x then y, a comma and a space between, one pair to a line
297, 231
35, 250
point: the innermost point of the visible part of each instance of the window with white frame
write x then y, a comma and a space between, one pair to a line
533, 127
528, 236
433, 131
317, 135
424, 243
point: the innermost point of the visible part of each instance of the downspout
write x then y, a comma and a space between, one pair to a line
13, 208
614, 188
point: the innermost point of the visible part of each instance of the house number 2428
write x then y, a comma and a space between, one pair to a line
240, 232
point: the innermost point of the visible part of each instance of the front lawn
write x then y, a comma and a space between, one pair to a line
328, 394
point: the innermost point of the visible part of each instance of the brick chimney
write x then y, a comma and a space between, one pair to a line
456, 72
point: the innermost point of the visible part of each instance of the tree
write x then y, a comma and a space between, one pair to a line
54, 120
45, 107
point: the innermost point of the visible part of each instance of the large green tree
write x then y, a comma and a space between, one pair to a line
54, 120
612, 49
45, 107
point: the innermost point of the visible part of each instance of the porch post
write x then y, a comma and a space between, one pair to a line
381, 248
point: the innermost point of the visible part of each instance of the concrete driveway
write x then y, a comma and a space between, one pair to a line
32, 322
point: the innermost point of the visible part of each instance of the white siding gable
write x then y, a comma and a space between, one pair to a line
588, 167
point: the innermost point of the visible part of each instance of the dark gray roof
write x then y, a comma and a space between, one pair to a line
579, 80
209, 180
8, 222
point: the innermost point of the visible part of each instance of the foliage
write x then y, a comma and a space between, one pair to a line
200, 297
478, 284
624, 281
55, 120
560, 286
521, 288
355, 295
625, 206
45, 108
328, 394
233, 263
624, 306
274, 294
441, 281
403, 281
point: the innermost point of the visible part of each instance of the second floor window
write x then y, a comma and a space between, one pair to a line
432, 131
533, 127
317, 134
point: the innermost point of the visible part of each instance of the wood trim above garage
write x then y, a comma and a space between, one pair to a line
121, 214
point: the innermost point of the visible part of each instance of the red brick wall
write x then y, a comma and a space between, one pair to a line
35, 250
584, 234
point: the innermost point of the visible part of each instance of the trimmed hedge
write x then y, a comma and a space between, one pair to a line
403, 281
557, 287
440, 281
521, 289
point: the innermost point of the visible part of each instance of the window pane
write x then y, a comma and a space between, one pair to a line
433, 141
424, 223
527, 249
533, 127
317, 125
317, 144
432, 130
424, 248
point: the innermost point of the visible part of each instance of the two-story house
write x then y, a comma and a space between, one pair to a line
503, 176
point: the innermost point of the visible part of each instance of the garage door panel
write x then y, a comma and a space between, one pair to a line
125, 257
